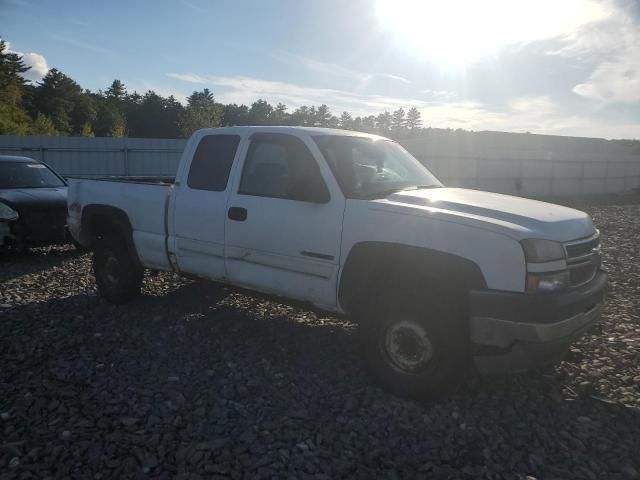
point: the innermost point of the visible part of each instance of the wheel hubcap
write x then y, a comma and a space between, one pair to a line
408, 346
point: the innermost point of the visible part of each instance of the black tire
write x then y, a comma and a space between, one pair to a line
416, 347
118, 275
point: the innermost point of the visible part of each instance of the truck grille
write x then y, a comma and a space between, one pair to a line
583, 259
580, 249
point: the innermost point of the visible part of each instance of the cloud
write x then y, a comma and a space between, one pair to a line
390, 76
37, 62
611, 46
439, 94
617, 81
541, 105
617, 77
332, 69
78, 22
242, 89
535, 114
454, 34
539, 114
192, 6
74, 42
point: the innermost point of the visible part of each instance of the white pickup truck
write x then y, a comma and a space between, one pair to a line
439, 279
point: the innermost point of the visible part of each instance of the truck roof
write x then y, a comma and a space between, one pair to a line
314, 131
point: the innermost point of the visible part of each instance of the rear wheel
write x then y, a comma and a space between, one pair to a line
415, 347
118, 275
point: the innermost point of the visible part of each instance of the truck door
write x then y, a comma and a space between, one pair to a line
199, 209
283, 225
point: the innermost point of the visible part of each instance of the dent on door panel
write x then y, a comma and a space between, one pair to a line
314, 268
188, 245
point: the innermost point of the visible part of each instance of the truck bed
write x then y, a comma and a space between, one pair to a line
142, 199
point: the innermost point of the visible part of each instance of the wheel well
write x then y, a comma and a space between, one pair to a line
99, 221
372, 266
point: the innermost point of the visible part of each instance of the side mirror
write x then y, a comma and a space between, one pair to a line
309, 189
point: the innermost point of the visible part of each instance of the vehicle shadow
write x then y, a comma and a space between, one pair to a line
16, 264
246, 362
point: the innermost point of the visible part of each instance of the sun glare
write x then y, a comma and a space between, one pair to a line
456, 32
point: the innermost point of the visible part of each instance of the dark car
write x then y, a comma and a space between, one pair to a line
33, 204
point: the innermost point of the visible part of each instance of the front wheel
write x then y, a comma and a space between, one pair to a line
118, 275
415, 347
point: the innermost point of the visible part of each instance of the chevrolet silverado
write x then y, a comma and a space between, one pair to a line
439, 279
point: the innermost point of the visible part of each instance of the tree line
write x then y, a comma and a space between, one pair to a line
57, 105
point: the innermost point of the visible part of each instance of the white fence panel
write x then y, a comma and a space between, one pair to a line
531, 165
97, 157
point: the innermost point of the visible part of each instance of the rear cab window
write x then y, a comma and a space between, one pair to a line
212, 162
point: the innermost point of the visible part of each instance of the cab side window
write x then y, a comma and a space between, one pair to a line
212, 162
281, 166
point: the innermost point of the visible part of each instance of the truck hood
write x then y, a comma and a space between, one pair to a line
513, 216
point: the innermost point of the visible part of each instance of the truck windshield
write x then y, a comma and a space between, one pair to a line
27, 175
369, 168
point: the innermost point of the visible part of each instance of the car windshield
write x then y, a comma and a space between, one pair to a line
368, 168
27, 175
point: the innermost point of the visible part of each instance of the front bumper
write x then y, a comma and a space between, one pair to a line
514, 332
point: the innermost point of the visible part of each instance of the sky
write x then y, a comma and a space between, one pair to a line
563, 67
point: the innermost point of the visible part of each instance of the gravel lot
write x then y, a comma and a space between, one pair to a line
194, 381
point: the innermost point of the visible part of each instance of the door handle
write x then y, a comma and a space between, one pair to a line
238, 214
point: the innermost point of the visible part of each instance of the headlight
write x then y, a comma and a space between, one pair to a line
7, 213
547, 282
539, 251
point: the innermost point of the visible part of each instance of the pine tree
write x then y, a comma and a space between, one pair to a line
398, 121
312, 117
346, 121
233, 115
57, 96
13, 116
202, 112
260, 112
110, 122
413, 119
300, 116
280, 116
369, 124
383, 123
116, 91
323, 116
153, 116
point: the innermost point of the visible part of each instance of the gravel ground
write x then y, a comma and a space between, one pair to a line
194, 381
